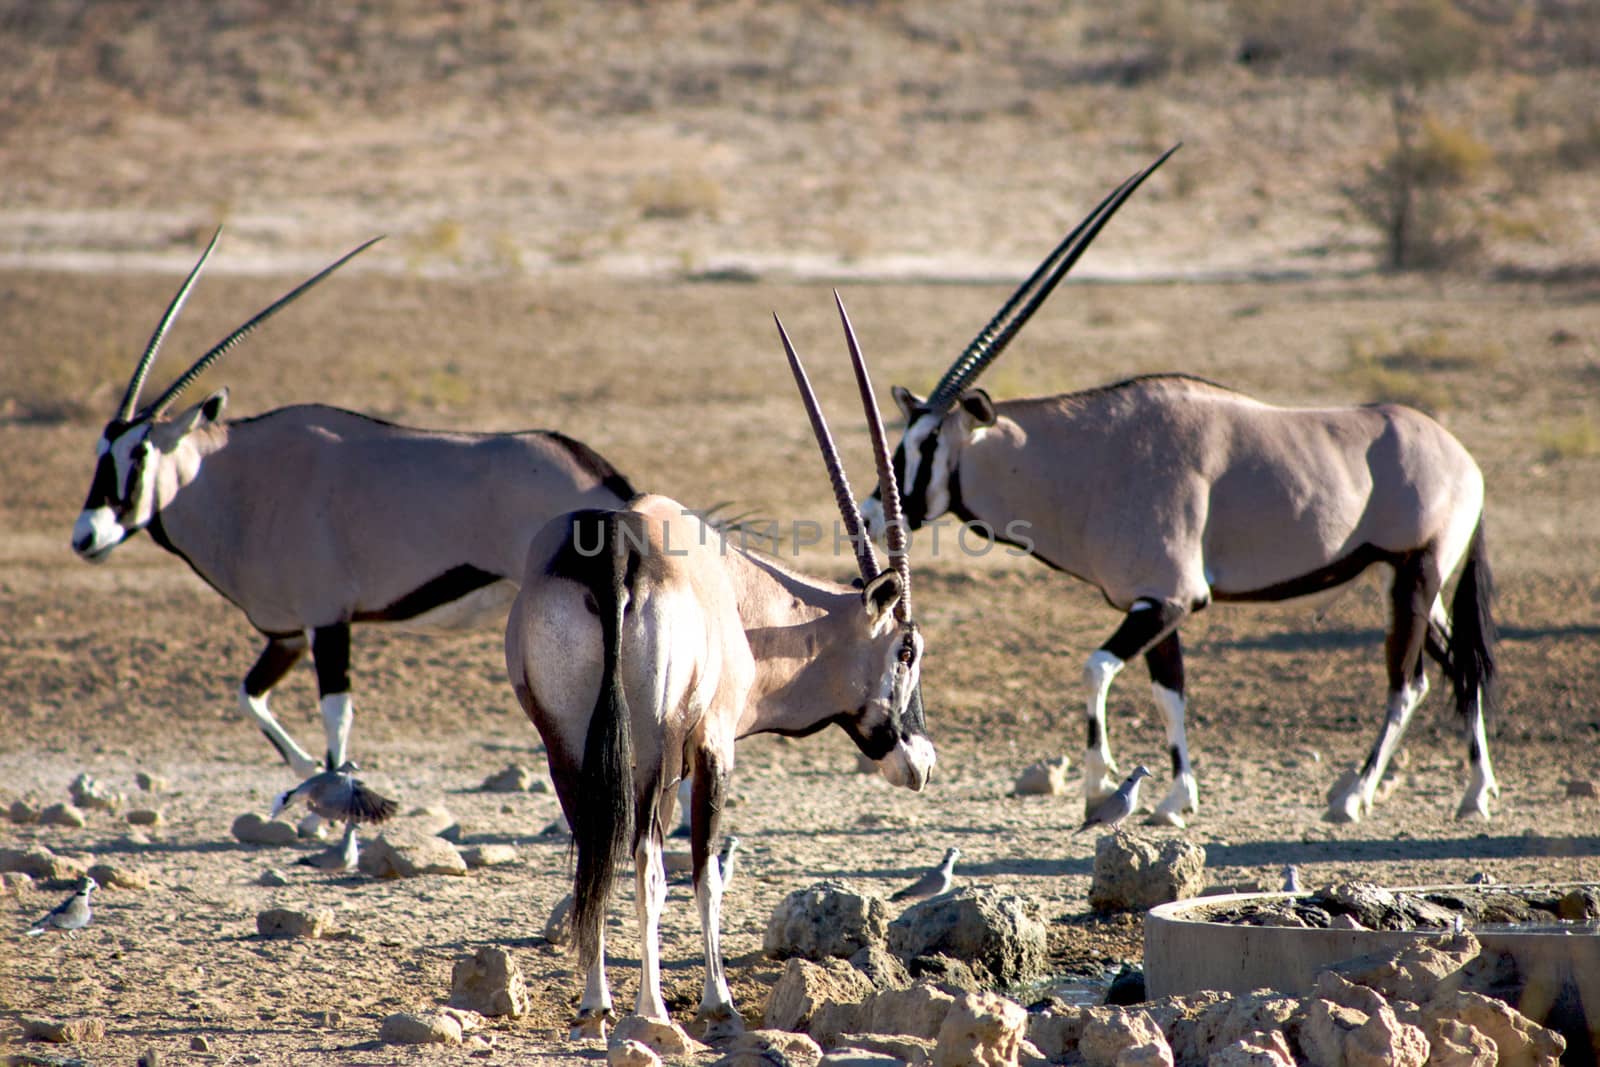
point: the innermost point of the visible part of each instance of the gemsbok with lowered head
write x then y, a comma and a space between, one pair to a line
1168, 492
310, 518
643, 645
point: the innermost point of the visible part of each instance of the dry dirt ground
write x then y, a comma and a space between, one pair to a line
512, 296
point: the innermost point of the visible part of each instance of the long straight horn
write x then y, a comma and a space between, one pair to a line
131, 397
866, 558
888, 486
993, 338
222, 347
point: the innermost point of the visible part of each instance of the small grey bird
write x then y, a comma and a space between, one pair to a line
933, 883
339, 796
71, 914
1118, 806
725, 859
1291, 879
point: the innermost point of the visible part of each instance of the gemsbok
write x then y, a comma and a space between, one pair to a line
1168, 492
310, 518
643, 645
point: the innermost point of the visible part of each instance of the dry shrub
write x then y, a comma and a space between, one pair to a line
677, 194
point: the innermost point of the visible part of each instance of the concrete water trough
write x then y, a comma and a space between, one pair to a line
1549, 971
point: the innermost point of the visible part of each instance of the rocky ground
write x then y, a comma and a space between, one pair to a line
533, 278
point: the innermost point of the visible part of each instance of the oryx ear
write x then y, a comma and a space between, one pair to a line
908, 401
979, 407
879, 597
166, 435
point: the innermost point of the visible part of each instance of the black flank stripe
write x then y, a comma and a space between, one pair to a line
450, 586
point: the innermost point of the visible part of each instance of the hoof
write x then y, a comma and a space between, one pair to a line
312, 827
332, 859
592, 1025
1474, 807
1165, 818
1347, 809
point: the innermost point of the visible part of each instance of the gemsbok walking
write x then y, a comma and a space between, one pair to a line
1168, 492
643, 645
311, 518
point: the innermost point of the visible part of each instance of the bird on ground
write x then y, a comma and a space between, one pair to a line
725, 859
1119, 805
1291, 879
338, 796
935, 882
71, 915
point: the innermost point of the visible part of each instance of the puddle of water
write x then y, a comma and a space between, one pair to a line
1076, 989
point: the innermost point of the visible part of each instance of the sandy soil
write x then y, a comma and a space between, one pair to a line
533, 279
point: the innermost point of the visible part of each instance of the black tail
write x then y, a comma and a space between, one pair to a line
1471, 663
603, 829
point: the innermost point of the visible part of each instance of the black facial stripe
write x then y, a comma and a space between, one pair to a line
103, 488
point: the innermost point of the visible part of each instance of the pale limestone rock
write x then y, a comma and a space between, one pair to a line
252, 829
1135, 874
1045, 778
805, 987
115, 875
1415, 972
489, 982
1197, 1030
1518, 1042
1453, 1043
978, 926
404, 852
916, 1051
982, 1029
827, 919
1255, 1050
493, 855
755, 1048
431, 1028
287, 922
1115, 1032
92, 795
145, 817
629, 1053
84, 1030
1333, 1035
664, 1038
918, 1010
68, 815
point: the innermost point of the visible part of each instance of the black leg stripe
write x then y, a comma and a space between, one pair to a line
330, 649
1094, 733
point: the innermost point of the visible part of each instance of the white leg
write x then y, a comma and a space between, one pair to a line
1185, 793
650, 896
716, 1001
1354, 798
1099, 772
337, 715
298, 759
594, 1010
1481, 784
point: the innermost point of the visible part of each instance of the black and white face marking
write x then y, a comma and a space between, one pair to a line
121, 498
890, 728
922, 465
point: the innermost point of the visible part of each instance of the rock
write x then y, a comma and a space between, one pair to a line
915, 1051
1580, 904
1055, 1030
22, 812
40, 863
116, 876
882, 967
979, 926
432, 820
516, 779
432, 1028
1046, 778
489, 982
765, 1048
150, 783
804, 987
252, 829
558, 928
1518, 1041
91, 795
81, 1031
1198, 1034
918, 1010
1377, 908
149, 1058
828, 919
558, 829
1127, 987
273, 877
665, 1039
199, 1043
1415, 972
287, 922
144, 817
630, 1053
1345, 922
953, 976
1119, 1038
15, 883
1336, 1036
489, 855
855, 1057
1136, 874
1455, 1044
1583, 787
68, 815
1256, 1050
984, 1029
405, 852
